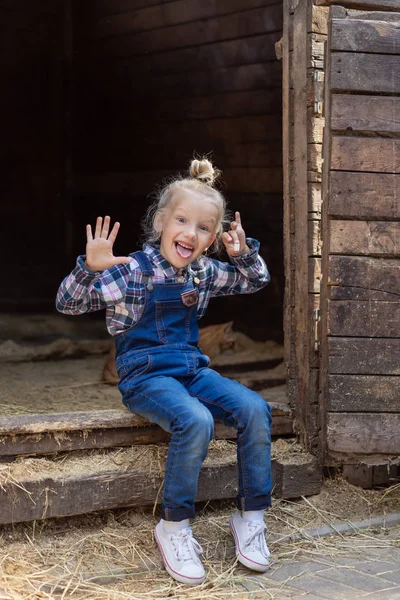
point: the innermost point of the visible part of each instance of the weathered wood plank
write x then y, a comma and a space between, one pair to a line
364, 356
314, 275
374, 37
319, 19
305, 269
165, 14
314, 198
364, 433
240, 25
228, 104
355, 194
380, 114
255, 49
364, 393
373, 318
369, 238
374, 15
314, 237
365, 4
289, 479
364, 278
360, 72
365, 154
368, 475
249, 180
84, 439
59, 495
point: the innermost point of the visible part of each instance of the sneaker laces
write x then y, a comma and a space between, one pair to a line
186, 546
256, 540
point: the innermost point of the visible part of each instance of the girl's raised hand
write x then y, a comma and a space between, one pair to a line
235, 239
99, 255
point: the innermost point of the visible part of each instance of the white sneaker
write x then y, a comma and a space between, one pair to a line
251, 547
180, 553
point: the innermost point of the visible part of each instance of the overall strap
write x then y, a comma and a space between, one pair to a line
144, 263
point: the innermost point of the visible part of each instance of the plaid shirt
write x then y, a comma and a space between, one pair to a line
120, 289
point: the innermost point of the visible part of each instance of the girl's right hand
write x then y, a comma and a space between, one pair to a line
99, 255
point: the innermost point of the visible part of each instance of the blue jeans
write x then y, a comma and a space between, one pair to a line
186, 405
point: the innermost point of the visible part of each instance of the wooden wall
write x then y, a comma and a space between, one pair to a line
362, 228
32, 139
155, 82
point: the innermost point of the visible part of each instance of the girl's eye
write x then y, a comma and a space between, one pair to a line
204, 227
180, 219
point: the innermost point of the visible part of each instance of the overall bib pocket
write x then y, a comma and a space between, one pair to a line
170, 315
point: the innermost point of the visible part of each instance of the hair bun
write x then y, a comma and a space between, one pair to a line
202, 169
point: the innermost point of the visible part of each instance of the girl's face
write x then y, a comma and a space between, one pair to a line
188, 227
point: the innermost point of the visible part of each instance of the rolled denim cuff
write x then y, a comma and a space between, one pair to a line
256, 503
177, 514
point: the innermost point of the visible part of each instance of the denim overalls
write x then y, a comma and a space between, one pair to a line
165, 378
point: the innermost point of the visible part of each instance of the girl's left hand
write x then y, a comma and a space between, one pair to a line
235, 239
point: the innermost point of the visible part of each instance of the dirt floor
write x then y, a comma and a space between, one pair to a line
112, 555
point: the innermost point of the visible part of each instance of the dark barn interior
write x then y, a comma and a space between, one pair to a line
103, 99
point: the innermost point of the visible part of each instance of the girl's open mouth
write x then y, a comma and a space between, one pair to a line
184, 250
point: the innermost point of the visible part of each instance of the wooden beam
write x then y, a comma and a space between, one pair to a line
64, 441
299, 193
368, 73
370, 238
353, 194
364, 393
364, 433
60, 492
365, 36
364, 356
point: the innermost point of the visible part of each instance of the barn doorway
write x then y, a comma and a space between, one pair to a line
105, 100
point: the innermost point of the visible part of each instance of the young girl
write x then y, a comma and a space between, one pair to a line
153, 300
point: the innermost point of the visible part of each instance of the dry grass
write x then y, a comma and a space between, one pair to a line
112, 555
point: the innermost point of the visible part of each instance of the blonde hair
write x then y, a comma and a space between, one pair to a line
201, 180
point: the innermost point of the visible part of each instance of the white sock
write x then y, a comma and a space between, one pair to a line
253, 515
174, 526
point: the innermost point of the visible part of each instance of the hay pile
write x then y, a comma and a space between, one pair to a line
112, 555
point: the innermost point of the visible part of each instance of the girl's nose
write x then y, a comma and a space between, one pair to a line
191, 233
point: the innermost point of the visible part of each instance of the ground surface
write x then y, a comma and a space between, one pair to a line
112, 555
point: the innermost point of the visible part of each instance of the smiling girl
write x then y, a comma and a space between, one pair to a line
153, 301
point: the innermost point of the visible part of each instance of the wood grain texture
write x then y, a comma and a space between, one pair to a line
364, 393
364, 278
364, 356
242, 24
368, 73
375, 37
84, 439
375, 155
364, 433
372, 318
60, 496
355, 195
160, 15
254, 49
380, 114
228, 104
369, 238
